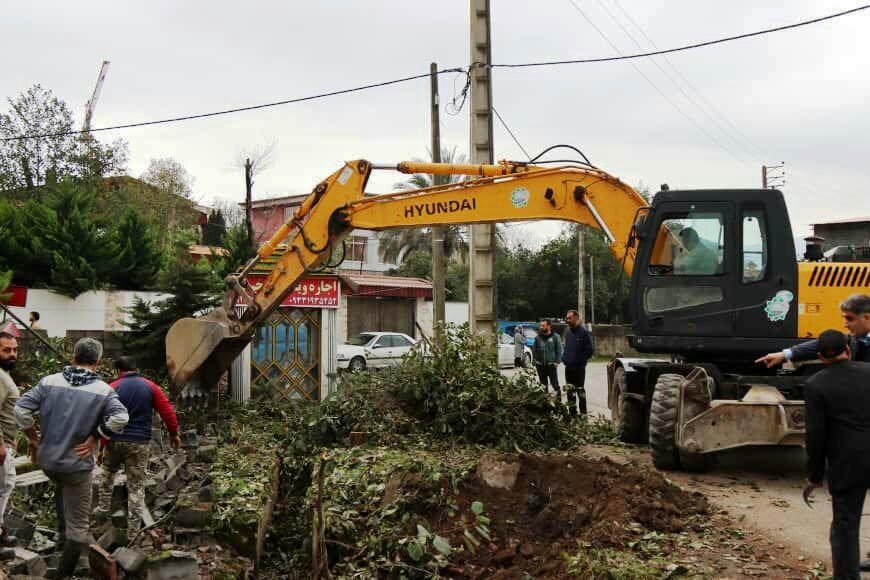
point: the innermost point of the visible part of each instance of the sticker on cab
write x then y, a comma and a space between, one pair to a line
777, 307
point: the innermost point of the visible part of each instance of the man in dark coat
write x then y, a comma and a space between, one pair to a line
577, 352
838, 444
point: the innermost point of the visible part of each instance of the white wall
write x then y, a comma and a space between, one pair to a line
456, 313
373, 261
95, 310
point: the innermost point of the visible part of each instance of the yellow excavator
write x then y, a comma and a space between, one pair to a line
714, 278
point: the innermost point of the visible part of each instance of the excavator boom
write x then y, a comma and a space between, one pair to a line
200, 350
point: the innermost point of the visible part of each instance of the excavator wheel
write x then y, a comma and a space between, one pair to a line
627, 412
663, 422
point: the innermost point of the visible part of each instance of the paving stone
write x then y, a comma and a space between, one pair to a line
130, 560
191, 537
193, 516
177, 478
175, 460
206, 493
172, 566
112, 538
205, 454
27, 562
189, 439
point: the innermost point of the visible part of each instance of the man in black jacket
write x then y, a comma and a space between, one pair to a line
856, 318
838, 434
578, 351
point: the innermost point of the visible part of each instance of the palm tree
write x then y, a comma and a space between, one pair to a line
395, 244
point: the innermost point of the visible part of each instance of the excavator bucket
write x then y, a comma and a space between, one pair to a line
200, 350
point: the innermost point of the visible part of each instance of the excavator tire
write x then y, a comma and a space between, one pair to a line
627, 412
663, 422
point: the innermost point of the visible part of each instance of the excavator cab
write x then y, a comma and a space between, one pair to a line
712, 266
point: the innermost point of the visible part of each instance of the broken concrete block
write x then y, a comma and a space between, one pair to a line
147, 518
206, 493
164, 502
205, 454
176, 460
189, 439
193, 516
27, 562
112, 538
131, 561
155, 464
103, 566
177, 478
173, 565
191, 536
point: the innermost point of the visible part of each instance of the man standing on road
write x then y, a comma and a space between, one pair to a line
548, 354
838, 437
76, 408
856, 317
141, 397
8, 429
578, 351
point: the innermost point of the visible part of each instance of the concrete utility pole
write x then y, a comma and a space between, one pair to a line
581, 277
438, 270
481, 279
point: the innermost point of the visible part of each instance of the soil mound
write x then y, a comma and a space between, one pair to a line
557, 503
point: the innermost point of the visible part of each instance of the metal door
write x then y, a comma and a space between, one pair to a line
285, 355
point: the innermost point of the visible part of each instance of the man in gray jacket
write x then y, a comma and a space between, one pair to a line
76, 408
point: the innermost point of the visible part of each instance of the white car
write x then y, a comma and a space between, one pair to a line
506, 352
374, 350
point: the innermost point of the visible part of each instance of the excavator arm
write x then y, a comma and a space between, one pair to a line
200, 350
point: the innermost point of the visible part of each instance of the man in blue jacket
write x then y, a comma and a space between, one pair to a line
75, 409
578, 351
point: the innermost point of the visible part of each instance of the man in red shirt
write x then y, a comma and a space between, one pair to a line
131, 449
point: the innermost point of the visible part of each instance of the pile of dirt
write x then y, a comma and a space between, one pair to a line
541, 507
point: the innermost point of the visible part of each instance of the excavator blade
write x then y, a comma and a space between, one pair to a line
200, 350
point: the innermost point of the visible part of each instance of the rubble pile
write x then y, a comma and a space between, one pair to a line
176, 537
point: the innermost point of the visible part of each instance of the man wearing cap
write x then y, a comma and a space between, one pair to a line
838, 444
856, 319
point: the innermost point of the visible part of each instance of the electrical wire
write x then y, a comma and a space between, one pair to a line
444, 71
536, 158
687, 46
511, 133
662, 94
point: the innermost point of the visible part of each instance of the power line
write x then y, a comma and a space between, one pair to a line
669, 76
652, 83
511, 133
449, 70
735, 134
688, 46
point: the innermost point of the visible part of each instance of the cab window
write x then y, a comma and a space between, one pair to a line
690, 244
754, 246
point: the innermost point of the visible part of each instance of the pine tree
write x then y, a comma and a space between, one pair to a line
194, 288
138, 260
240, 249
83, 249
214, 229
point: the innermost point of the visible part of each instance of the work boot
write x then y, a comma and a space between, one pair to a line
7, 539
865, 566
69, 559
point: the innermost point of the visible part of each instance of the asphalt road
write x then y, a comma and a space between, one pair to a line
760, 487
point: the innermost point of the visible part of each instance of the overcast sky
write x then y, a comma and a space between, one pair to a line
797, 96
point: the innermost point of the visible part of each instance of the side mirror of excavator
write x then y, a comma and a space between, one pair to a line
641, 227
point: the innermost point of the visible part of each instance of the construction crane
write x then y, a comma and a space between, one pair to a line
92, 102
